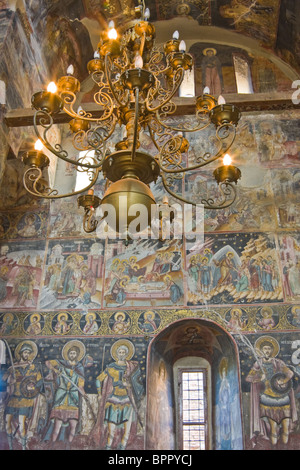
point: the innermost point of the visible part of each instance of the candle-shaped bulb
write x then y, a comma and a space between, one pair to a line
221, 100
38, 145
176, 35
79, 110
182, 46
147, 14
52, 88
96, 55
70, 70
138, 62
206, 91
227, 159
112, 34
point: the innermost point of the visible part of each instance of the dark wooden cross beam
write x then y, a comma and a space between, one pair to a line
185, 107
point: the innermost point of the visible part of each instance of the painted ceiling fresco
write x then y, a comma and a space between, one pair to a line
275, 24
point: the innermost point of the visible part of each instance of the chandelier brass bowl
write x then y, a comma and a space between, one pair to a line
129, 193
136, 83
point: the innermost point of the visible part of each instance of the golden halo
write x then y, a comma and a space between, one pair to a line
124, 281
295, 308
236, 310
266, 310
223, 365
8, 317
31, 345
205, 51
149, 312
91, 314
61, 316
34, 316
183, 9
119, 314
70, 345
267, 339
122, 342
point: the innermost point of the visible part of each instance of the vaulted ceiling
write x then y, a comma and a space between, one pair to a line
274, 24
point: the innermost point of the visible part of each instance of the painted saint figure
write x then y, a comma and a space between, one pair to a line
273, 408
68, 377
212, 72
119, 390
24, 382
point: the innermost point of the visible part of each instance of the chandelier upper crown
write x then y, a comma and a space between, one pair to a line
137, 83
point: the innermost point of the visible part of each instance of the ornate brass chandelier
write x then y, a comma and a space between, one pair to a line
136, 85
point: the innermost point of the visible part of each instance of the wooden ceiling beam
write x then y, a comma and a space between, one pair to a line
185, 107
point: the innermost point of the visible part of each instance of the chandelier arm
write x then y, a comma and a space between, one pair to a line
176, 84
34, 175
89, 222
152, 137
219, 153
110, 83
49, 146
87, 139
69, 98
153, 64
225, 188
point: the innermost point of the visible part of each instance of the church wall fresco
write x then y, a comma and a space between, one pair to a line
61, 288
96, 356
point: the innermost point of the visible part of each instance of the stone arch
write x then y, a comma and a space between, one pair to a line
191, 339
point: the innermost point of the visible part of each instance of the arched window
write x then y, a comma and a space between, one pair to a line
242, 74
193, 398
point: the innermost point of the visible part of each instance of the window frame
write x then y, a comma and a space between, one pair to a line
181, 371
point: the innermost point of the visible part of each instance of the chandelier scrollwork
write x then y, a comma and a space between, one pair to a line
136, 84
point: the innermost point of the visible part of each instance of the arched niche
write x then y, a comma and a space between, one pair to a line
199, 343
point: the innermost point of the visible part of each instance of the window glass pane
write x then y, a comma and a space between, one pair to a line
193, 437
193, 410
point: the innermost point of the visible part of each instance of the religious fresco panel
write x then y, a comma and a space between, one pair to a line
94, 367
244, 150
198, 9
21, 265
73, 274
285, 186
144, 273
214, 68
233, 268
289, 245
254, 208
278, 142
146, 323
257, 21
272, 417
66, 219
267, 77
23, 225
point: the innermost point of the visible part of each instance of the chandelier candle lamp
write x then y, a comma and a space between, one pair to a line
136, 85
